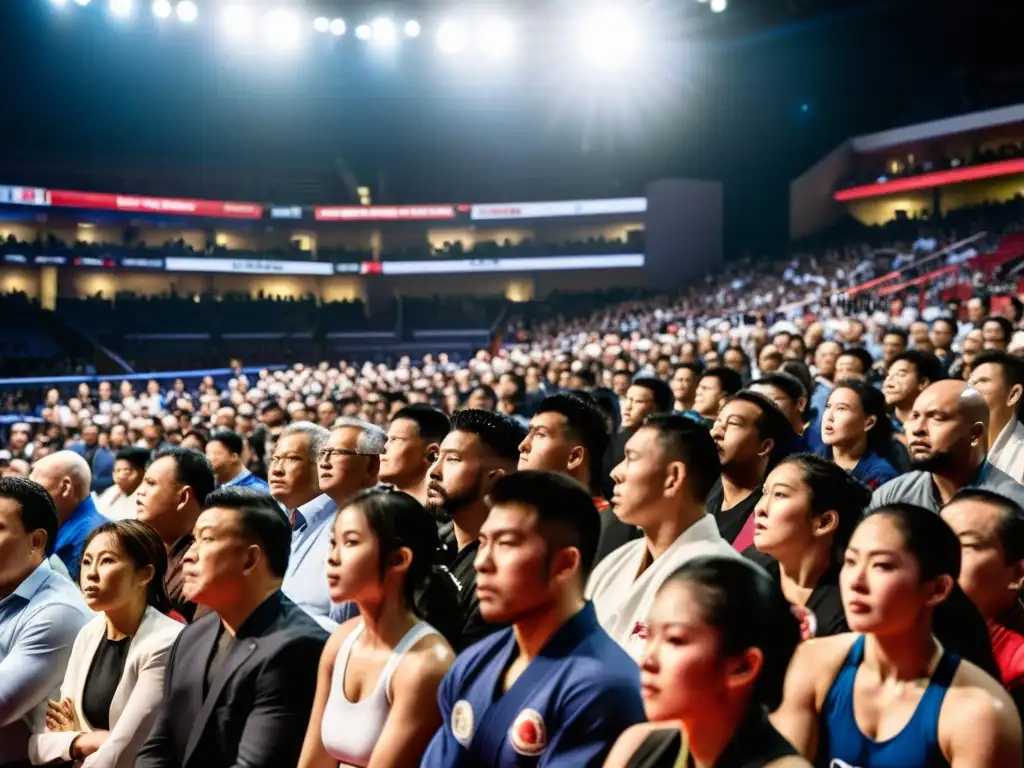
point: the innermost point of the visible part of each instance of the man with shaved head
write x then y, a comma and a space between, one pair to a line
67, 478
947, 434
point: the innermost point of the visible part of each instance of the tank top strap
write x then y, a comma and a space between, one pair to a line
413, 636
928, 709
856, 654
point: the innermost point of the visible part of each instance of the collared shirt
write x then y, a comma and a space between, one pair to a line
174, 581
114, 505
72, 535
246, 479
39, 622
918, 488
305, 581
1008, 450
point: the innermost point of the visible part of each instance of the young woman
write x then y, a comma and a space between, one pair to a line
804, 519
376, 698
889, 693
720, 637
114, 679
857, 433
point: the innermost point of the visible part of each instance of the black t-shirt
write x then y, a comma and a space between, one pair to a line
730, 521
825, 602
104, 676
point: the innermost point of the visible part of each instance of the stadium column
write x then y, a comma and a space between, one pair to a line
375, 244
48, 288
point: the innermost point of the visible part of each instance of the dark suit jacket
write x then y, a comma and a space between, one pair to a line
256, 713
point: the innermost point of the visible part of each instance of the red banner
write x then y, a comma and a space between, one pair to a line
384, 212
183, 207
930, 180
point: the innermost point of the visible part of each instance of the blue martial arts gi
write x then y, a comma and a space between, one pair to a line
567, 707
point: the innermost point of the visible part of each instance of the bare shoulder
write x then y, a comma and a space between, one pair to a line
977, 699
791, 761
629, 742
818, 660
424, 664
338, 636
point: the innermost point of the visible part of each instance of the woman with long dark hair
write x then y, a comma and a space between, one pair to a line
114, 679
899, 690
376, 698
720, 637
802, 522
857, 433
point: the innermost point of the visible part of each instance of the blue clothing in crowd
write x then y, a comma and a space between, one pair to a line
72, 535
246, 479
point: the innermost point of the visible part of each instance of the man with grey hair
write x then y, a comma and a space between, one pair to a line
294, 484
67, 478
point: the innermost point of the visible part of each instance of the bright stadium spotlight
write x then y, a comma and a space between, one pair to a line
609, 39
451, 37
162, 9
187, 11
59, 3
237, 21
383, 31
83, 3
338, 27
121, 8
717, 6
321, 24
497, 37
412, 28
282, 29
363, 32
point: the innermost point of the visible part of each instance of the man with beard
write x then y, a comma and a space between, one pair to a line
482, 447
948, 437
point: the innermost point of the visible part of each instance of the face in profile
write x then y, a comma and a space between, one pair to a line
457, 477
640, 477
403, 452
353, 559
546, 445
109, 578
215, 567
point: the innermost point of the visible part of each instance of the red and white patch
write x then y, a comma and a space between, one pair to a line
462, 722
528, 734
808, 621
639, 632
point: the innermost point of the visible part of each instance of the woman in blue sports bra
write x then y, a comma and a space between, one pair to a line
888, 694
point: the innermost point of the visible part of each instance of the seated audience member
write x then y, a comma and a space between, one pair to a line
482, 447
996, 333
716, 385
240, 681
854, 363
750, 435
41, 613
991, 532
670, 466
909, 374
999, 378
226, 451
114, 680
118, 502
895, 342
414, 438
856, 432
804, 519
947, 433
646, 395
553, 686
66, 477
899, 569
790, 396
684, 386
381, 671
721, 636
294, 485
98, 457
195, 440
170, 499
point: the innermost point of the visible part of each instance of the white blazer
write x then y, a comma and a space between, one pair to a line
135, 702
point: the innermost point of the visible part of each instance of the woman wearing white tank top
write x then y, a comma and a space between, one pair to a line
376, 698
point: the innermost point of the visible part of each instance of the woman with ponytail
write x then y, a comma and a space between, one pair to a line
376, 697
114, 679
857, 433
802, 522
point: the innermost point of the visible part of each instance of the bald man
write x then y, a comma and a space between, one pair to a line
67, 478
947, 434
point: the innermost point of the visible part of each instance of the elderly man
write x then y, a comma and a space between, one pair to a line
295, 485
947, 433
66, 477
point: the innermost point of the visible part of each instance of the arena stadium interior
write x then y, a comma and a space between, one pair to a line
428, 278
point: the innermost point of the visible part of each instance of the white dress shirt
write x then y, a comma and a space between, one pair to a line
1008, 450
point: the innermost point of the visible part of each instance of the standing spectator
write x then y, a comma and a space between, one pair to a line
999, 377
240, 682
414, 440
99, 458
554, 683
226, 452
670, 466
118, 502
67, 479
482, 447
170, 499
41, 613
947, 431
294, 485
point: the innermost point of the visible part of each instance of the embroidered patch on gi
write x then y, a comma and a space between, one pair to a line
462, 722
528, 735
